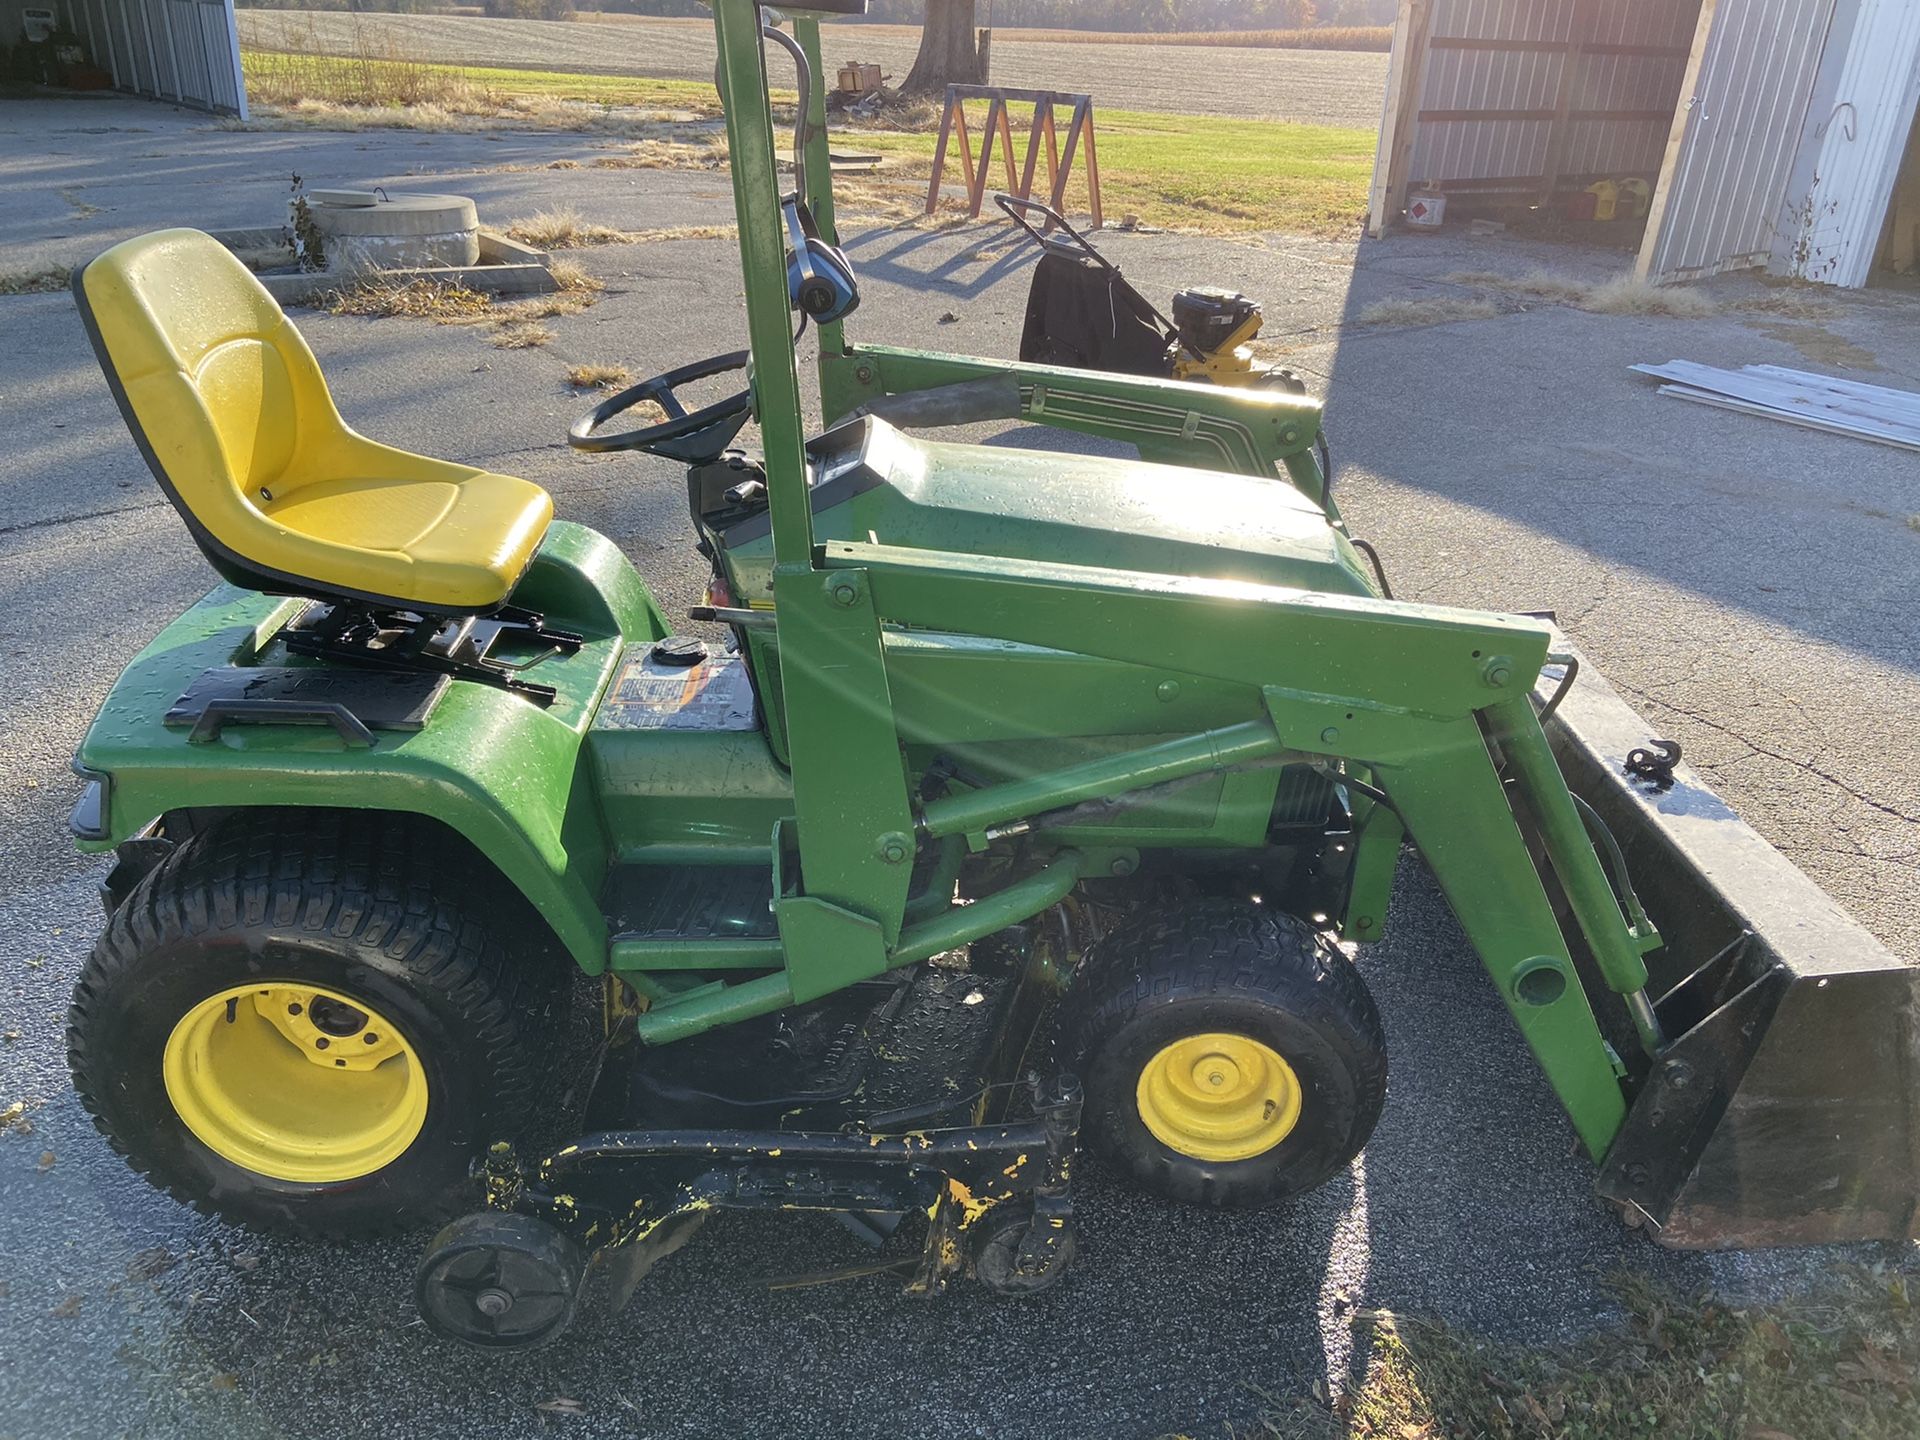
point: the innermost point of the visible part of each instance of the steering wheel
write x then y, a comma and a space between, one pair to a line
693, 438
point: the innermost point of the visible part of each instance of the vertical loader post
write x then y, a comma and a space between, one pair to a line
756, 202
1618, 949
852, 816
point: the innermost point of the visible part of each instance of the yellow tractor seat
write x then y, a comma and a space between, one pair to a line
232, 413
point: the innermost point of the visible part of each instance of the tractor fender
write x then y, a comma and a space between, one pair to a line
507, 775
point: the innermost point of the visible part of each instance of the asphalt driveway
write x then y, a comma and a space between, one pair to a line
1749, 585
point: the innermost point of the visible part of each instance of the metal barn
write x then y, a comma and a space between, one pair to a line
185, 52
1773, 134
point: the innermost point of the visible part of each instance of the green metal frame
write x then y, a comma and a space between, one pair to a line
1430, 704
1413, 693
504, 774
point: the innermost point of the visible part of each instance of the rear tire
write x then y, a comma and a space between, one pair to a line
1232, 1056
242, 969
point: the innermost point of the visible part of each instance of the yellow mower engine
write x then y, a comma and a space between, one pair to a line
1216, 327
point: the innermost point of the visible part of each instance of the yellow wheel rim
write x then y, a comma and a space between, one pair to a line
1219, 1096
295, 1082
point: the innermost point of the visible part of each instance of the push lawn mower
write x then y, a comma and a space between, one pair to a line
1023, 808
1082, 311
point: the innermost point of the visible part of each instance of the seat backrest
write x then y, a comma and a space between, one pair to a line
219, 389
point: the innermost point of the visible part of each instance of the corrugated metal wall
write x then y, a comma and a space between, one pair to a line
186, 51
1515, 91
1617, 73
1725, 195
1859, 136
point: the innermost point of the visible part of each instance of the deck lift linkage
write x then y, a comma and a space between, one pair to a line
1014, 804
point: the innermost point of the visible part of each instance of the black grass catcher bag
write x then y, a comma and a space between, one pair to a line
1081, 313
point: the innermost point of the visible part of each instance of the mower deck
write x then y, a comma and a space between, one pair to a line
875, 1103
921, 1048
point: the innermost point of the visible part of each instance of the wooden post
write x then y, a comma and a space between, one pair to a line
1059, 194
1042, 120
977, 180
966, 141
1093, 172
1006, 146
1053, 150
1400, 124
940, 153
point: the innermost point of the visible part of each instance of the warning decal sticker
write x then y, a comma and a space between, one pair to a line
714, 694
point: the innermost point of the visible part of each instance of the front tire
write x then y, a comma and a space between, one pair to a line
1232, 1056
293, 1023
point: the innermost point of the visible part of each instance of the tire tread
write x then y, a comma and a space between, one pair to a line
387, 881
1210, 948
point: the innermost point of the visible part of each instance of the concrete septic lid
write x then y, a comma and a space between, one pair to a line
397, 214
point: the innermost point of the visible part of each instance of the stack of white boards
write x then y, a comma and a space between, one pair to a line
1819, 402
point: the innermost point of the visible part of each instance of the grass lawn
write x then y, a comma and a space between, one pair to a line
1835, 1363
278, 80
1190, 172
1183, 172
1838, 1364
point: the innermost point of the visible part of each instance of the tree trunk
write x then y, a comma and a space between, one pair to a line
948, 55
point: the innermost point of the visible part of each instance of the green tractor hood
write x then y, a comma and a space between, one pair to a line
871, 482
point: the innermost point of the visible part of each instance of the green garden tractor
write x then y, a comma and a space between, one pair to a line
1005, 805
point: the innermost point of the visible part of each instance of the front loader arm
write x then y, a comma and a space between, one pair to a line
1411, 692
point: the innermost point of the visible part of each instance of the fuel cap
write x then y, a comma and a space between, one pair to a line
681, 652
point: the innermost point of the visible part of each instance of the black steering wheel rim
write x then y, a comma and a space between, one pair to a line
690, 436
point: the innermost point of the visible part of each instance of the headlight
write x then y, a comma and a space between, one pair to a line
89, 818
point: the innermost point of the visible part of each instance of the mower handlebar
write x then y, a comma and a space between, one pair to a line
1015, 208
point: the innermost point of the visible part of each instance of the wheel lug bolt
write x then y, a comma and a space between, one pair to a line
294, 1008
322, 1043
371, 1038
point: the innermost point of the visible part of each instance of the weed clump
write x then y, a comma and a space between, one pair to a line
1441, 311
418, 299
563, 229
599, 377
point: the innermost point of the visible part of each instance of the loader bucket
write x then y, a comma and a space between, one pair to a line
1782, 1107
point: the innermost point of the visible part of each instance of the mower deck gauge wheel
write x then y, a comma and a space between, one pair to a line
998, 1236
499, 1281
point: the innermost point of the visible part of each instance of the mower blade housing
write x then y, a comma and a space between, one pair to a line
1781, 1109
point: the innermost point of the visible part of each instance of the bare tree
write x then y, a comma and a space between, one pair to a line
948, 53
